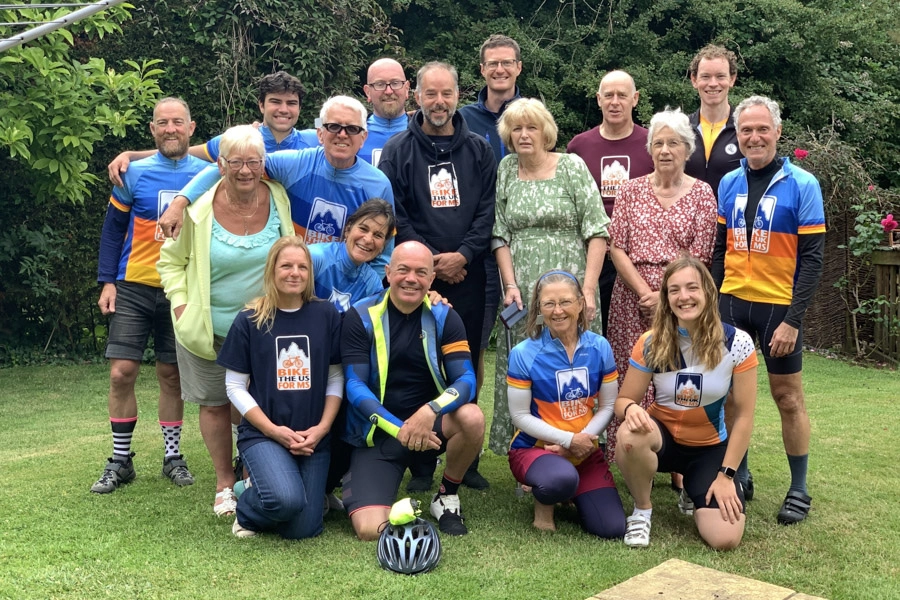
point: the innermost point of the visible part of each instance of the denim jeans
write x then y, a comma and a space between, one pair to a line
287, 493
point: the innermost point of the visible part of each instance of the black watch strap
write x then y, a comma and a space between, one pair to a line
728, 471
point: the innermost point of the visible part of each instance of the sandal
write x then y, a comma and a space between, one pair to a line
637, 531
795, 508
225, 503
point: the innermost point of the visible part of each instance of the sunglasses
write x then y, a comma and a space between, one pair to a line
337, 127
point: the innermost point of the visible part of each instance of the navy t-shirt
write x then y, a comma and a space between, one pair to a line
288, 365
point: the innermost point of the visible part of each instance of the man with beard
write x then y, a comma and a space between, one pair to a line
444, 180
133, 296
387, 90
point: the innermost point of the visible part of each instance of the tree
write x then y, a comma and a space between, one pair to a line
53, 112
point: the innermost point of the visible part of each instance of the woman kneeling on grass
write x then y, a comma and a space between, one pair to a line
693, 360
561, 389
283, 373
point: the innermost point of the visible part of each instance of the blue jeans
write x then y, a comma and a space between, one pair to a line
287, 493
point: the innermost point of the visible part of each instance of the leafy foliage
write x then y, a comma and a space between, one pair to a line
53, 112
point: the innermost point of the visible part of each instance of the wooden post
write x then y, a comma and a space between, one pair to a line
887, 283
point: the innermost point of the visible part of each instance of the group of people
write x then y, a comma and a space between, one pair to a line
648, 262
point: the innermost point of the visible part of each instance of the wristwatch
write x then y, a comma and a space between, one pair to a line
433, 405
728, 471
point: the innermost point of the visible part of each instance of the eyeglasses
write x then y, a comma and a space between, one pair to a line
492, 65
380, 86
658, 144
551, 304
337, 127
238, 164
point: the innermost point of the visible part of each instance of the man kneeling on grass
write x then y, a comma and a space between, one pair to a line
410, 383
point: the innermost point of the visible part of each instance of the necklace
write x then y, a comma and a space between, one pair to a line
245, 218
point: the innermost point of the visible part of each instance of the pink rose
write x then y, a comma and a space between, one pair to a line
889, 224
871, 188
800, 153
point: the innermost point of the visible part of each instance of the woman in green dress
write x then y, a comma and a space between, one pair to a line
549, 216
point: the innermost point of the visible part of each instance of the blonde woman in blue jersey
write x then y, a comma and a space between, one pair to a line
694, 361
561, 386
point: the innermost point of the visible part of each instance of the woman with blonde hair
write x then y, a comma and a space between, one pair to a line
549, 215
697, 364
283, 373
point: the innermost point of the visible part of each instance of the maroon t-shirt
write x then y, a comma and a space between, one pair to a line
613, 162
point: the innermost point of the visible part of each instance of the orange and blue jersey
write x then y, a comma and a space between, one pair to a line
131, 237
564, 393
690, 402
295, 140
764, 268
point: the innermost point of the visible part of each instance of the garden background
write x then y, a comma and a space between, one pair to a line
70, 101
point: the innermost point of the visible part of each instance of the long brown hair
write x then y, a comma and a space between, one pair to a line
264, 306
532, 327
708, 337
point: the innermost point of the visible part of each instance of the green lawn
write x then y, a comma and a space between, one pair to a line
152, 540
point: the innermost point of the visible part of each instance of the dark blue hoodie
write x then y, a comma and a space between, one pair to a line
443, 188
483, 122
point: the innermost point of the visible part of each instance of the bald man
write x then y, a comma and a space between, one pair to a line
407, 398
614, 151
387, 90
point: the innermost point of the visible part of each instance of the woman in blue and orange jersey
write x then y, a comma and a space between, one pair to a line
561, 386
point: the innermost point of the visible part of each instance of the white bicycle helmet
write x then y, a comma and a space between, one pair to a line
409, 549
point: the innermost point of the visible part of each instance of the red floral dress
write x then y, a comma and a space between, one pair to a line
652, 236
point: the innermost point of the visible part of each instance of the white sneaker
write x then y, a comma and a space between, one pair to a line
637, 531
240, 531
448, 514
685, 504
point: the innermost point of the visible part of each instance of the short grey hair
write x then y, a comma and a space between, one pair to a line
347, 102
770, 105
675, 120
241, 138
431, 66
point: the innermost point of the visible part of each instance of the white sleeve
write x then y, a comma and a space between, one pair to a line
335, 385
520, 413
236, 388
604, 414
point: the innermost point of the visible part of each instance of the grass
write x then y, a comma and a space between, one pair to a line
152, 540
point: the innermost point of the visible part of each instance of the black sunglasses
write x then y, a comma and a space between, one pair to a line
337, 127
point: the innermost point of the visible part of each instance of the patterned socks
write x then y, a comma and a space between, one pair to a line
171, 431
122, 432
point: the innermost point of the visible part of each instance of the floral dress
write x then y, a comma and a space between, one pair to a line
547, 225
652, 236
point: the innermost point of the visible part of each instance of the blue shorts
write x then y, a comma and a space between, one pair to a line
375, 473
140, 310
761, 320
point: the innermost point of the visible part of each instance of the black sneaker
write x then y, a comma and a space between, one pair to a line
446, 510
795, 508
116, 472
176, 469
238, 463
423, 483
748, 487
475, 480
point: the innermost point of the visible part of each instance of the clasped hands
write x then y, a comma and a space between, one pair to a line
417, 432
582, 446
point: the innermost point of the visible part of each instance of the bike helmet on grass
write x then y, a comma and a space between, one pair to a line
409, 549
